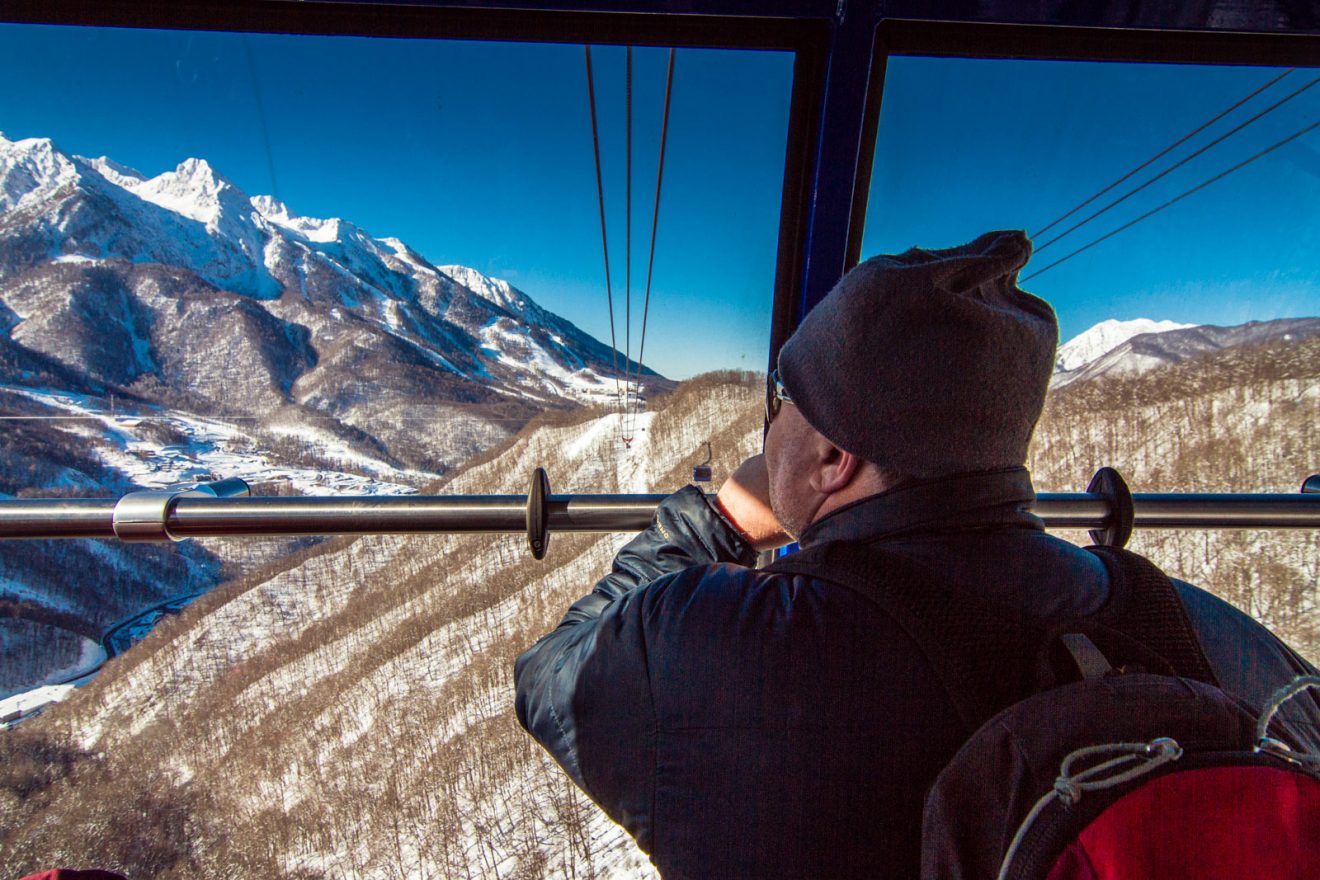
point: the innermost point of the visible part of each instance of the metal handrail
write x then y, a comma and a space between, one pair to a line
196, 517
200, 511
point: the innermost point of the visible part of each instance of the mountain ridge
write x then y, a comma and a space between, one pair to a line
1144, 345
1104, 337
136, 282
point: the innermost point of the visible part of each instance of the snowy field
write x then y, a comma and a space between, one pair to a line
215, 448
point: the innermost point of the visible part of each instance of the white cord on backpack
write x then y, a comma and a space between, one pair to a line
1139, 758
1278, 748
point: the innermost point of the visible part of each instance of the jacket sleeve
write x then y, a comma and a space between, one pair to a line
687, 531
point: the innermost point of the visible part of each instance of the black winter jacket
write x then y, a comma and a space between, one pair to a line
744, 723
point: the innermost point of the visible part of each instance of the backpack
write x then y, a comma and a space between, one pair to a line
1098, 749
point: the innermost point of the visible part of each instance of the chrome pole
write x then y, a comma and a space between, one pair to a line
406, 515
195, 516
57, 518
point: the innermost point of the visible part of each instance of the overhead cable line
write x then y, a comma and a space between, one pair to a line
627, 255
655, 215
627, 245
261, 115
1182, 140
1175, 166
600, 192
1178, 198
629, 398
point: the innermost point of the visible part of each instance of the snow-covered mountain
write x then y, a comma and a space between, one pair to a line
1128, 348
1105, 337
140, 283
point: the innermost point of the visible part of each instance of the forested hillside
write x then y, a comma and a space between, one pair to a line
348, 713
1245, 419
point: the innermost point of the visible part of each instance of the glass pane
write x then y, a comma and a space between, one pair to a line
392, 249
1187, 294
336, 265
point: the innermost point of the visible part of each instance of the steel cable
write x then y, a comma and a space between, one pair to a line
261, 115
1182, 140
600, 192
628, 425
1175, 166
627, 247
1178, 198
655, 215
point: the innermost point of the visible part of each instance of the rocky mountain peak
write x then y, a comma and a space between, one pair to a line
496, 290
119, 175
273, 209
196, 190
31, 168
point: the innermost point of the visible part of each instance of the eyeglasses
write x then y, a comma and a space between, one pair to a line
776, 395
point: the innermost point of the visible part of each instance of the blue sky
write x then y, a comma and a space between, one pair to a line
969, 145
480, 154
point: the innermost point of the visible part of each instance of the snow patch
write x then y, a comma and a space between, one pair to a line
22, 706
214, 447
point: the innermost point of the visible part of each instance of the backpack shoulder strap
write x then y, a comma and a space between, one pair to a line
975, 647
1144, 605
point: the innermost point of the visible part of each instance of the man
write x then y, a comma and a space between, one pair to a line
766, 723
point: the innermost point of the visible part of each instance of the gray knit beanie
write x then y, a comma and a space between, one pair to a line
928, 362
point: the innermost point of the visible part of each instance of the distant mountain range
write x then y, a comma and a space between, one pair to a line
182, 291
1104, 337
1128, 348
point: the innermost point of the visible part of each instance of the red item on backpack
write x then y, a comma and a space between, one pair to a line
1215, 823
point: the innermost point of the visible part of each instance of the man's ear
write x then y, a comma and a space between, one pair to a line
835, 468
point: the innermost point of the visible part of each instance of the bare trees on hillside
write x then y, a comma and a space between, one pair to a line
1242, 420
347, 711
